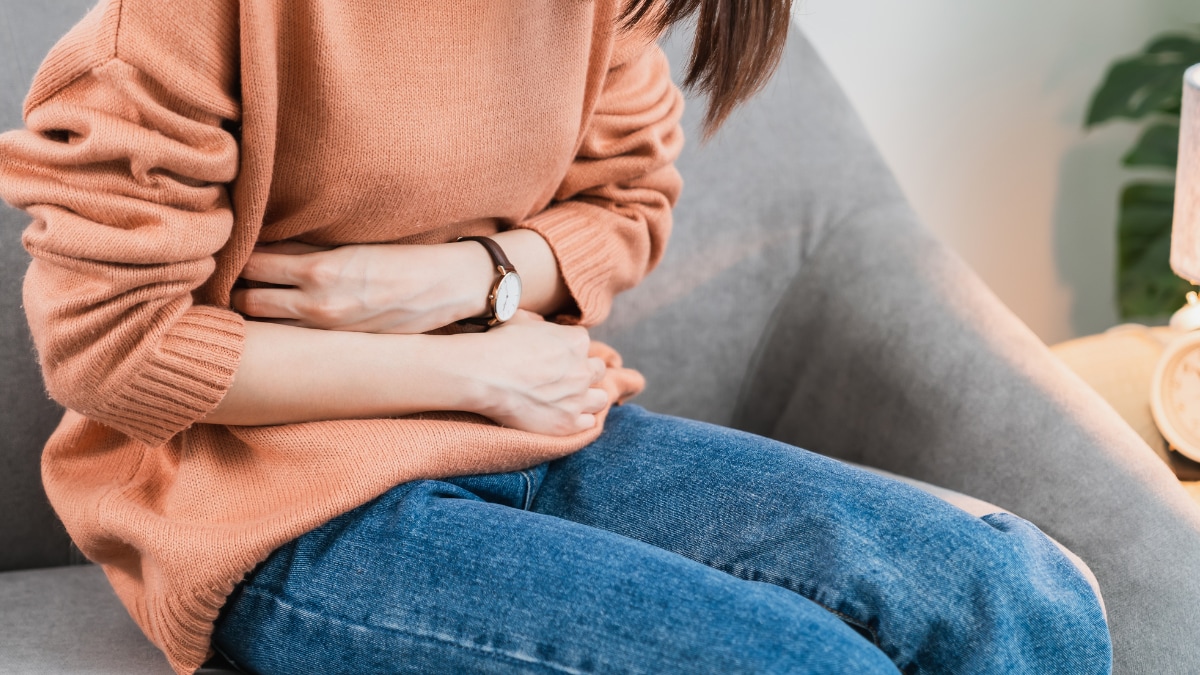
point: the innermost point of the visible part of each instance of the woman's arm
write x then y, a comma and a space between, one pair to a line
543, 290
126, 184
503, 374
291, 374
611, 216
125, 179
390, 288
527, 373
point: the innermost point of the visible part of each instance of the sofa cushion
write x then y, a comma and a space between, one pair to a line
30, 535
66, 620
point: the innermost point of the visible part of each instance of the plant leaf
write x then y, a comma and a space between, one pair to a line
1178, 43
1146, 287
1158, 146
1146, 83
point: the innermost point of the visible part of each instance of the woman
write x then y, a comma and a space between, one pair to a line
268, 467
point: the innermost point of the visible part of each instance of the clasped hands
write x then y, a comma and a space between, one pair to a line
527, 373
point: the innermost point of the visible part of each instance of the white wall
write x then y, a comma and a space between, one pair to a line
977, 105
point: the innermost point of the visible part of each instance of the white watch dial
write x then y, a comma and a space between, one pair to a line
508, 296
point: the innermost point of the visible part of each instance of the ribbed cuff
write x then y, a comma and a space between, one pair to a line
186, 379
586, 252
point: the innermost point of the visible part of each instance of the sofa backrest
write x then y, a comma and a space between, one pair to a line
758, 200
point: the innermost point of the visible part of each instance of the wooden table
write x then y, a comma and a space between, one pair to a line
1119, 364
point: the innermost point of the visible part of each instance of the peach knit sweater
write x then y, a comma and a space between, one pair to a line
165, 137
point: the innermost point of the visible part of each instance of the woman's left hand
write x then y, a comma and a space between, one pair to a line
368, 288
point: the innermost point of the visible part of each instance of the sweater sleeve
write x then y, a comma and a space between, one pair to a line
126, 182
610, 218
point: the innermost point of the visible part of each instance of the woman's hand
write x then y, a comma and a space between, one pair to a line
368, 288
536, 376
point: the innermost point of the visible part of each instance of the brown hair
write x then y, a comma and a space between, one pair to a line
737, 46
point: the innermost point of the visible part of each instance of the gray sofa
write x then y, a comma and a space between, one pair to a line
801, 299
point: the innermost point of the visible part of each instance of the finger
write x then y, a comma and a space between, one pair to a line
598, 368
269, 303
584, 336
585, 421
274, 268
595, 400
517, 319
526, 316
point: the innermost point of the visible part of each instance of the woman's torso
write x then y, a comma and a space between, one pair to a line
461, 122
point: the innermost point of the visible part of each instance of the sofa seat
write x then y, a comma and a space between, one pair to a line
67, 620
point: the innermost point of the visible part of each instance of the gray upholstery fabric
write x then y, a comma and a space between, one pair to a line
30, 535
757, 201
799, 298
67, 620
888, 351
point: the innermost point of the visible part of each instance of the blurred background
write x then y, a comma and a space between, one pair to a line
978, 106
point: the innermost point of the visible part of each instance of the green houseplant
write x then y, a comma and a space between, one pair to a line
1147, 88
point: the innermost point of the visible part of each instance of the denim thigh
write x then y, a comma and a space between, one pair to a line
937, 589
456, 577
667, 546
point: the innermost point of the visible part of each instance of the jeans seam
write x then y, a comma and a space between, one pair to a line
528, 490
787, 584
478, 649
227, 657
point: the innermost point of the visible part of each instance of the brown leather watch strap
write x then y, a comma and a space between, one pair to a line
493, 250
504, 267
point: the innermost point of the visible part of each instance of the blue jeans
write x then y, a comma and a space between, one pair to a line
667, 546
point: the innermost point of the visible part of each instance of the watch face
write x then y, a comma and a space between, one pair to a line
508, 296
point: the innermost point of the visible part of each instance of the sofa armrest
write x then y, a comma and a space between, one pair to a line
887, 350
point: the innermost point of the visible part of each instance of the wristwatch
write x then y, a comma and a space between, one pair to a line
505, 296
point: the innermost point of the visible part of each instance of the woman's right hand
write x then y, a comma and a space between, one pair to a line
536, 376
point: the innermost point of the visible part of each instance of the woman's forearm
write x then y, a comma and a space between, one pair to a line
542, 288
408, 289
290, 374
